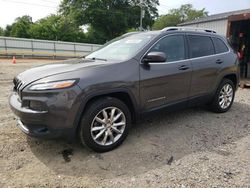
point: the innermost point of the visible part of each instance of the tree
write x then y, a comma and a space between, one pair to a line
7, 30
188, 13
20, 28
93, 36
176, 16
57, 27
109, 18
1, 31
166, 21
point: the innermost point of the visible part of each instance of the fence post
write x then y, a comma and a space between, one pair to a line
75, 49
5, 46
54, 56
32, 48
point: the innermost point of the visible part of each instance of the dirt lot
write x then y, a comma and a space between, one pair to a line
189, 148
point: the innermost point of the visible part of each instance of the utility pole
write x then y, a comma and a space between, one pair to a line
142, 13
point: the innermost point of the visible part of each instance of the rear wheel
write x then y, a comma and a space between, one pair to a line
105, 124
224, 97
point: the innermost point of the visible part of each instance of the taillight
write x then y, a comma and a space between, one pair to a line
238, 54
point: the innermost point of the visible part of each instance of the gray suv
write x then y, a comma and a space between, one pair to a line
96, 98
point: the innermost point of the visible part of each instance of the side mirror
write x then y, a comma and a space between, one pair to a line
154, 57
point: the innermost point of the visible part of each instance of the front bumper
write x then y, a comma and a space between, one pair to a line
53, 122
41, 131
24, 113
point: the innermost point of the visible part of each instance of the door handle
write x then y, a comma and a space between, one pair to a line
183, 67
218, 61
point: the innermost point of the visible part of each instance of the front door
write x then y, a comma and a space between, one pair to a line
163, 83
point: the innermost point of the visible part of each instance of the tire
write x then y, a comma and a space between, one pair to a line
97, 125
221, 94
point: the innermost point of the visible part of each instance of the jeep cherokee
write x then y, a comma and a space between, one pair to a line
97, 97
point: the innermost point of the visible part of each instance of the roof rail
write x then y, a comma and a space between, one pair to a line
188, 29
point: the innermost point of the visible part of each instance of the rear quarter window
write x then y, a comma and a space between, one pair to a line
220, 46
200, 46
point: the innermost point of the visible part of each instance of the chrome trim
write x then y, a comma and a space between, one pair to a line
22, 126
18, 84
188, 29
229, 50
188, 59
156, 99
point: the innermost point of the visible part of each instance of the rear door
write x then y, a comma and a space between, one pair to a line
222, 51
167, 82
205, 64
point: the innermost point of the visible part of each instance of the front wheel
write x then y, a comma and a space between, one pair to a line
105, 124
224, 97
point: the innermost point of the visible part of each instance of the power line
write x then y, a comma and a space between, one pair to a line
163, 8
53, 2
32, 4
164, 5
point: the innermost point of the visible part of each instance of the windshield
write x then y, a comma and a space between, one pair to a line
122, 48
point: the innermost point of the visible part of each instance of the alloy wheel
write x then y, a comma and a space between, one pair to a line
226, 96
108, 126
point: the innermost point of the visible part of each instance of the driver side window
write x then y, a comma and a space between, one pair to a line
173, 46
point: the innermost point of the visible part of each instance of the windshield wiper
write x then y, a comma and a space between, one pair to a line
96, 58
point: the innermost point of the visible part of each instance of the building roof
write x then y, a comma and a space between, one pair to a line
214, 17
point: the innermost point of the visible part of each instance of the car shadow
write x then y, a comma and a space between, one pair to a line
152, 143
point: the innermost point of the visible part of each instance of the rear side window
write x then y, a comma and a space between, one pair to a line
220, 46
200, 46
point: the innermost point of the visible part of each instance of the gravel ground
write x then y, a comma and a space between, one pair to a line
188, 148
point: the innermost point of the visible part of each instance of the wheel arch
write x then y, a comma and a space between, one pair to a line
122, 94
233, 78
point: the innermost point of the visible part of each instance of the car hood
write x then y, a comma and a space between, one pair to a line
44, 71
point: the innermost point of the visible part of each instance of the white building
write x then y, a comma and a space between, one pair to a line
221, 23
236, 27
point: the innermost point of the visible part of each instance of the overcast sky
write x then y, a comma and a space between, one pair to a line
11, 9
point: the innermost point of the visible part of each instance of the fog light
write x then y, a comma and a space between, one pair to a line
38, 106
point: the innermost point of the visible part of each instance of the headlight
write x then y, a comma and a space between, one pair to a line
52, 85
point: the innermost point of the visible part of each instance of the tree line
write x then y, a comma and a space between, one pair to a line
103, 21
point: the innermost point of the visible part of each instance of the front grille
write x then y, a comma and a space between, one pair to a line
17, 85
